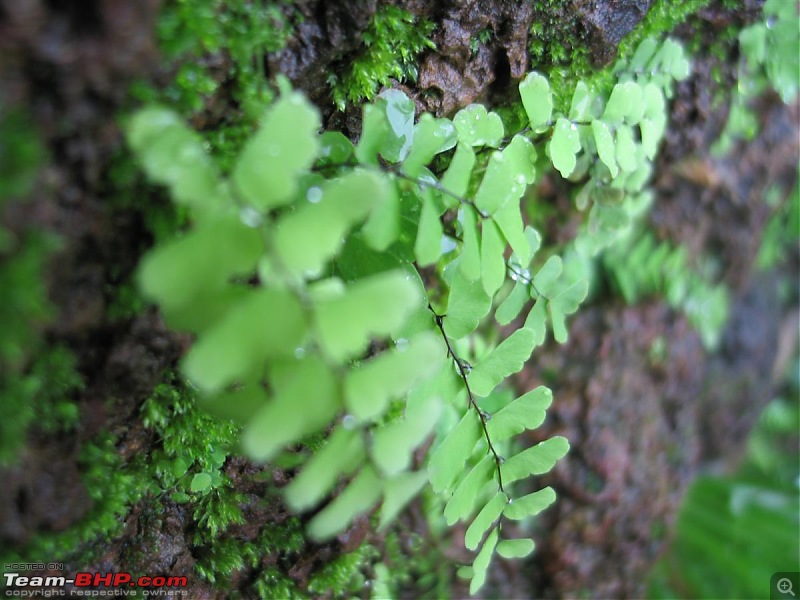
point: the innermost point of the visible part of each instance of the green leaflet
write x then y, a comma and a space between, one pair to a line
536, 99
375, 305
341, 455
509, 357
456, 178
428, 246
398, 491
626, 149
369, 387
175, 273
582, 98
448, 460
264, 324
519, 548
521, 156
546, 277
530, 505
466, 306
173, 154
624, 104
534, 461
526, 412
383, 225
362, 493
644, 52
387, 129
510, 308
462, 502
605, 146
482, 561
399, 111
488, 515
564, 145
200, 482
284, 147
305, 401
493, 262
238, 405
334, 148
393, 443
569, 299
477, 127
536, 321
470, 262
509, 219
431, 136
495, 189
308, 238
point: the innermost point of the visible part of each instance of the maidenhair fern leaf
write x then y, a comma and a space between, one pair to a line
431, 136
456, 178
564, 145
470, 262
370, 386
306, 239
428, 246
267, 323
493, 263
383, 225
375, 305
285, 146
495, 189
305, 401
362, 493
526, 412
513, 304
530, 505
335, 148
546, 277
398, 492
341, 455
399, 111
509, 219
462, 503
393, 443
481, 564
519, 548
467, 304
580, 108
536, 321
173, 154
177, 272
605, 146
626, 149
536, 99
535, 460
485, 519
477, 127
374, 132
509, 357
448, 460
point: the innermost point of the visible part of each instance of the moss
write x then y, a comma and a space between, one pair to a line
558, 45
390, 47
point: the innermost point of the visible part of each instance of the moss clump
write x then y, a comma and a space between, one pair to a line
559, 48
391, 45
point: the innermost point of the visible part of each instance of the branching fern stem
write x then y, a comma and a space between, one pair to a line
462, 371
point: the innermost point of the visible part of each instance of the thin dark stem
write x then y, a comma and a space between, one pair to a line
463, 373
435, 185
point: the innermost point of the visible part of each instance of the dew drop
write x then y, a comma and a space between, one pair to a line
250, 217
273, 150
349, 422
401, 344
299, 352
314, 194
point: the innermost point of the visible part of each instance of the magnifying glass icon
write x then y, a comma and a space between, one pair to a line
785, 586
